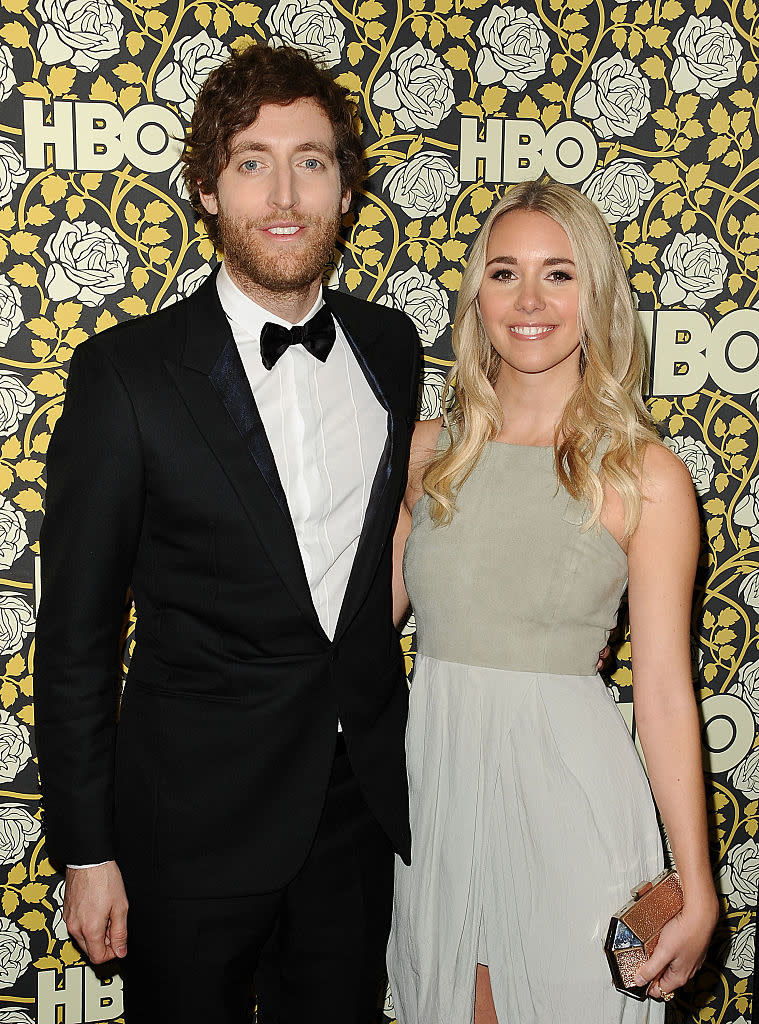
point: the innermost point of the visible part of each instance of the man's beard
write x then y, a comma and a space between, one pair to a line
289, 271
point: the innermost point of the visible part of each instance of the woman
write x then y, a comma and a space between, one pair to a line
544, 491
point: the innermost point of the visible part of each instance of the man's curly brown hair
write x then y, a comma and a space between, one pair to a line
230, 100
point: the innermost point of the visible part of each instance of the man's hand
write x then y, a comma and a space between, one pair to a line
95, 911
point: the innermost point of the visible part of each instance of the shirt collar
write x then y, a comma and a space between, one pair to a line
246, 317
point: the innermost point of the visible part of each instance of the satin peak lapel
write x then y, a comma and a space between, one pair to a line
215, 388
365, 341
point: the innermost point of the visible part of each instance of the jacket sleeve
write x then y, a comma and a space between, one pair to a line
416, 374
94, 508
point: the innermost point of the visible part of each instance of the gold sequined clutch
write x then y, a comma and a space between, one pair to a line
634, 930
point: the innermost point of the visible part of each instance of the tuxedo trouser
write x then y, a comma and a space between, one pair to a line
314, 950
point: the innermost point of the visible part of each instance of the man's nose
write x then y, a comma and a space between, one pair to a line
284, 194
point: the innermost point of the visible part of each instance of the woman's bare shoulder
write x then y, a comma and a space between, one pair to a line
666, 478
424, 439
423, 446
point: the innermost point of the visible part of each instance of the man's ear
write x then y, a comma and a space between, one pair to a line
345, 205
209, 201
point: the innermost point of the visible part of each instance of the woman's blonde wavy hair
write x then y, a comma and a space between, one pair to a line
607, 405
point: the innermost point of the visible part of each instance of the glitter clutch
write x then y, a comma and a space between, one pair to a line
634, 930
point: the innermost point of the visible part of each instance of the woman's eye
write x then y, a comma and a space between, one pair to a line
502, 275
559, 275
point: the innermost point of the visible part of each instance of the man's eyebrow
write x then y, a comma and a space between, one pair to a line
318, 147
254, 146
550, 261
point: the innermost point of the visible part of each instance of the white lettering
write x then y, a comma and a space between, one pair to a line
523, 143
149, 136
59, 134
103, 998
570, 152
83, 997
520, 149
686, 351
152, 137
98, 146
68, 996
677, 354
733, 352
471, 149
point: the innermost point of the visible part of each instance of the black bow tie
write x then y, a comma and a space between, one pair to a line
317, 336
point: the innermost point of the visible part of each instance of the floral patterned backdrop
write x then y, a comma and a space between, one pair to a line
648, 106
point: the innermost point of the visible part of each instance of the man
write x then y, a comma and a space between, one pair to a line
243, 482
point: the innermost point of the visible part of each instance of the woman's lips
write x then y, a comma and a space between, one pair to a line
531, 330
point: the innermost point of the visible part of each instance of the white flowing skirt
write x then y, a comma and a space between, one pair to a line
531, 820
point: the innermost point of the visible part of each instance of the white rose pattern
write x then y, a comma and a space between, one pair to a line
11, 314
7, 74
620, 189
696, 269
697, 458
15, 401
12, 171
14, 747
16, 622
87, 262
18, 829
616, 99
423, 185
745, 776
433, 383
188, 282
747, 510
748, 590
387, 1007
738, 878
82, 32
176, 181
195, 57
515, 48
13, 535
420, 297
309, 25
746, 685
60, 930
418, 88
740, 952
709, 56
15, 955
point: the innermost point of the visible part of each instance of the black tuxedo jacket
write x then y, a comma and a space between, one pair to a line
161, 481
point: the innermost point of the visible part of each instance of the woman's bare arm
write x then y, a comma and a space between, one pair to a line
423, 444
662, 558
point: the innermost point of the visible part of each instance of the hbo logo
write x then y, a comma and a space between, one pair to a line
97, 137
518, 150
686, 350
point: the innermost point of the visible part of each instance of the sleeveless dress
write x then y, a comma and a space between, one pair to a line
531, 814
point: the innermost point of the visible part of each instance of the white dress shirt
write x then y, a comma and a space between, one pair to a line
327, 431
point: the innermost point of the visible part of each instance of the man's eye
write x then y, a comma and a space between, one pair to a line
311, 163
251, 165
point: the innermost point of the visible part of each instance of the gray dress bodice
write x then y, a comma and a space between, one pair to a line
514, 582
